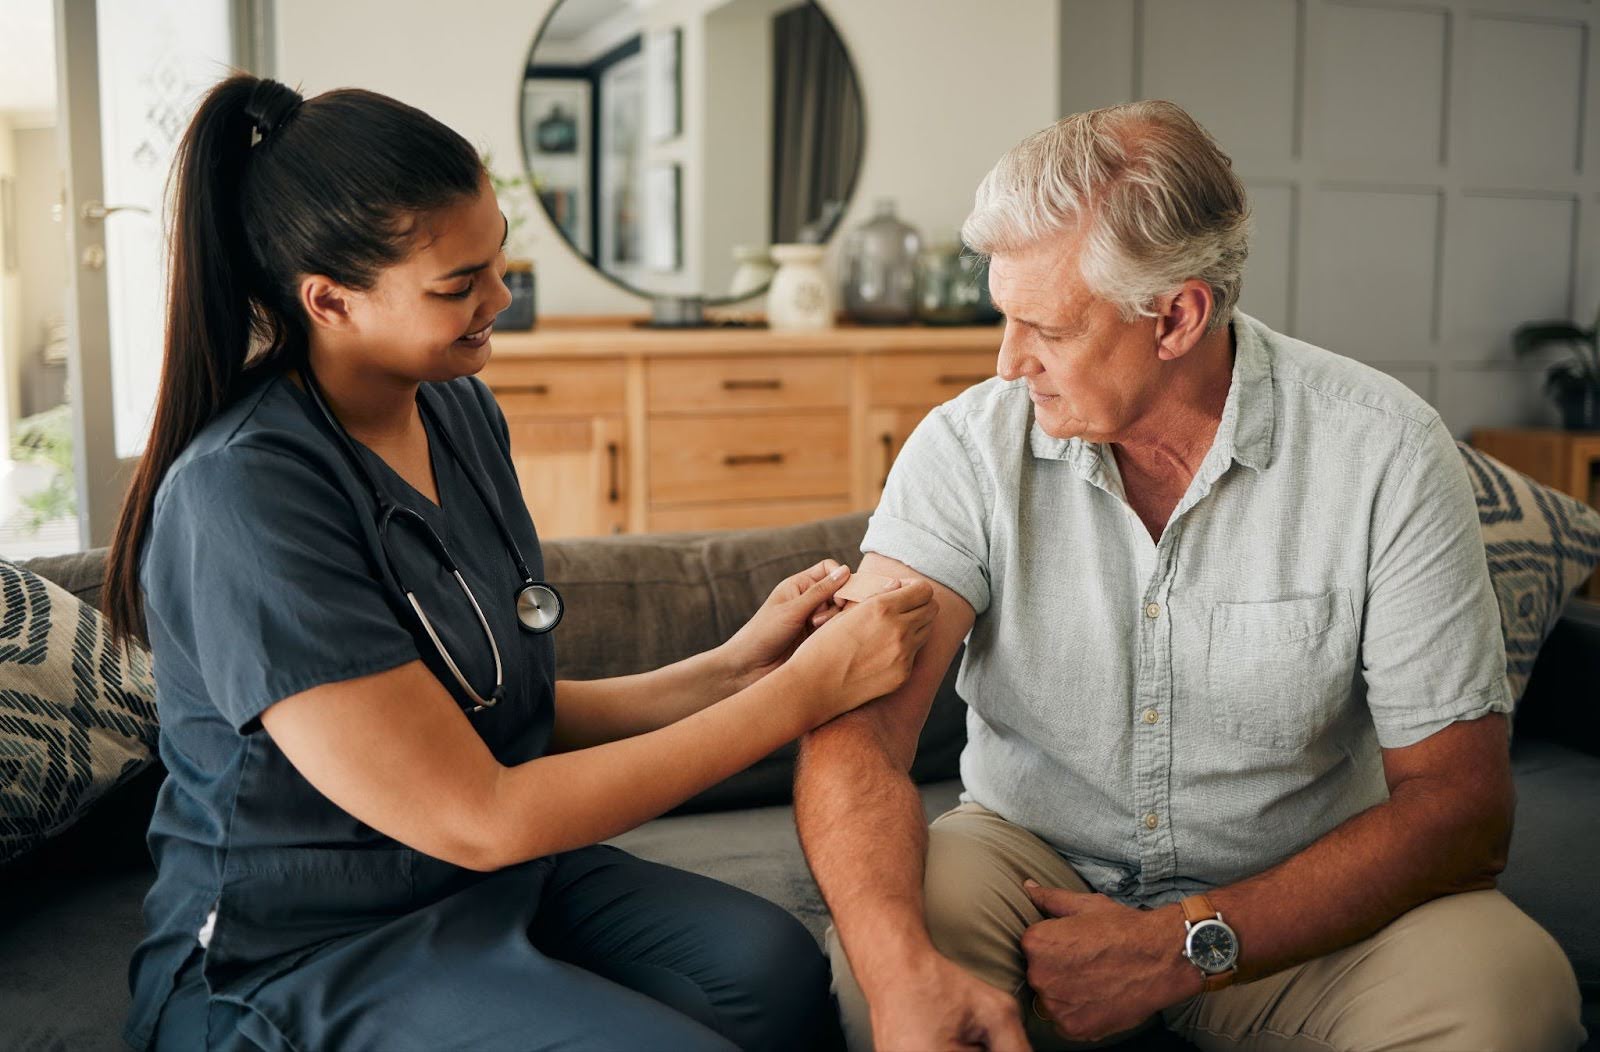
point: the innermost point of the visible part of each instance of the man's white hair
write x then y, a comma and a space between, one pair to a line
1162, 202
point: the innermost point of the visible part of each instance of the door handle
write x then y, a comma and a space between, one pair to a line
613, 452
888, 457
96, 211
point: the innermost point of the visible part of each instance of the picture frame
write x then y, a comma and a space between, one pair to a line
663, 210
663, 53
621, 164
557, 134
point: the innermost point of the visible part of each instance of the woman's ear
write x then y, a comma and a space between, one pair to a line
326, 303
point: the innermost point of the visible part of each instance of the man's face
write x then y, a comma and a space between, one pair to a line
1090, 374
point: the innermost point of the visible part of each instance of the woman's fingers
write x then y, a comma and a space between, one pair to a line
912, 593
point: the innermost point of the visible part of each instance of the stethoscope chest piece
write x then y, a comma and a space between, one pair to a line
539, 607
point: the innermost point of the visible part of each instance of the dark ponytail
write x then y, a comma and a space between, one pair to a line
268, 187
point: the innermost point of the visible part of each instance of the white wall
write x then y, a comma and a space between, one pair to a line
948, 86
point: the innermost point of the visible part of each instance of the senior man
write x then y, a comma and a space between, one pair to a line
1236, 754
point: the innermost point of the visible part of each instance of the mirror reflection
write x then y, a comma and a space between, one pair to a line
672, 141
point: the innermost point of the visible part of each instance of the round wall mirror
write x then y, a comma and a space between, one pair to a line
672, 142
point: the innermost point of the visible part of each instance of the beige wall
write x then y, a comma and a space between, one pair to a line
10, 303
949, 85
42, 243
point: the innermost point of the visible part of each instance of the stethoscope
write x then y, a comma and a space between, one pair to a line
539, 606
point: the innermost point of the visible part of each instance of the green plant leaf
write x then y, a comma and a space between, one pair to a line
1534, 336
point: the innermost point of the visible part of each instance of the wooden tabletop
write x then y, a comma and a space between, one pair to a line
615, 337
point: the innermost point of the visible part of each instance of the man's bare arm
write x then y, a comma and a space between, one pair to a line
859, 814
1446, 828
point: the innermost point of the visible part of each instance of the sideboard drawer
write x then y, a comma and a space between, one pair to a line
737, 457
716, 384
925, 379
568, 388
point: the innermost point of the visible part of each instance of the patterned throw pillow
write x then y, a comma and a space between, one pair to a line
77, 712
1542, 545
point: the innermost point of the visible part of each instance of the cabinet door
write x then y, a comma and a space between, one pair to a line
573, 471
887, 431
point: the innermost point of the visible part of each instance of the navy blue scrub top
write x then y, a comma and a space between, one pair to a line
261, 580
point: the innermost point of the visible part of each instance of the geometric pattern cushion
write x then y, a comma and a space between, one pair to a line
1542, 546
77, 712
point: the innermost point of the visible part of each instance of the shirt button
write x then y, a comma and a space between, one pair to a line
1151, 716
1152, 611
1151, 821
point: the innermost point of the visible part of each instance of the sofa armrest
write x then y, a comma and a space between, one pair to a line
1560, 700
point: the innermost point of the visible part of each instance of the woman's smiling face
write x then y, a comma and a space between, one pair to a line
429, 316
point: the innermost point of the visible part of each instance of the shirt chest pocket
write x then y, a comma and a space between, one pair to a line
1278, 673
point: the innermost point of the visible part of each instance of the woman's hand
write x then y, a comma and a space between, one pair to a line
868, 649
784, 621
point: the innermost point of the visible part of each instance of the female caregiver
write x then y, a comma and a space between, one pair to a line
381, 824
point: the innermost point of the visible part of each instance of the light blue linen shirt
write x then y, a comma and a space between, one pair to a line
1176, 715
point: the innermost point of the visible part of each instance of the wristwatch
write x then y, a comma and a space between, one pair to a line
1210, 944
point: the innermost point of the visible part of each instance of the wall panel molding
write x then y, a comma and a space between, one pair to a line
1424, 172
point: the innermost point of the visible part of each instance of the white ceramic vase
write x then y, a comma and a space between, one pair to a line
801, 296
753, 273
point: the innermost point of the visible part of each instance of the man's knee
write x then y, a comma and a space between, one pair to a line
1472, 971
973, 901
1521, 995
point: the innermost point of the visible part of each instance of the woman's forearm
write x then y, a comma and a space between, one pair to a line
593, 712
561, 802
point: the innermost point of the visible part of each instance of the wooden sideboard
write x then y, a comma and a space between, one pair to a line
621, 429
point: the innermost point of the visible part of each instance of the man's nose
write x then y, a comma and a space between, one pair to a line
1014, 359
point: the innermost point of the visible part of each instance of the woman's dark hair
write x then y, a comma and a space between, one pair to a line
268, 187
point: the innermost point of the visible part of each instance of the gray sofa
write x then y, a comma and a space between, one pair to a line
71, 910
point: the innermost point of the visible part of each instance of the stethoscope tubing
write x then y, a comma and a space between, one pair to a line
529, 593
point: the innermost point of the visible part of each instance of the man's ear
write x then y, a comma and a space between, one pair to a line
326, 302
1182, 318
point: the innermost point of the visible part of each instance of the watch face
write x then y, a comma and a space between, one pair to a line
1212, 946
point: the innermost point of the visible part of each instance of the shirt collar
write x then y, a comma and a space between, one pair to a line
1248, 420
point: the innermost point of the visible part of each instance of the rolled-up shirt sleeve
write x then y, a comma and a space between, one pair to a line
934, 513
1432, 650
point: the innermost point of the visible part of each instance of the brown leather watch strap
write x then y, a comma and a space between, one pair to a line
1197, 908
1213, 983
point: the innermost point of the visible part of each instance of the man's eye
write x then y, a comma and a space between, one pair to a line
463, 294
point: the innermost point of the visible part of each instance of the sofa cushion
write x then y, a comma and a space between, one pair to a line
637, 603
1541, 544
77, 710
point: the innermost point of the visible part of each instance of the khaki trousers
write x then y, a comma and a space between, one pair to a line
1462, 973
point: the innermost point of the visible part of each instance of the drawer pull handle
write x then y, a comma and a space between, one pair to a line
534, 389
751, 385
613, 452
962, 379
734, 460
888, 458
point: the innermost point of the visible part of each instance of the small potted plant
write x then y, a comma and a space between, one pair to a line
1573, 383
515, 200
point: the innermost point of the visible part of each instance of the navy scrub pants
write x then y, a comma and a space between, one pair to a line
634, 955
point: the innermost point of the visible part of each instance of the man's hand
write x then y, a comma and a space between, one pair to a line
1100, 968
940, 1005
